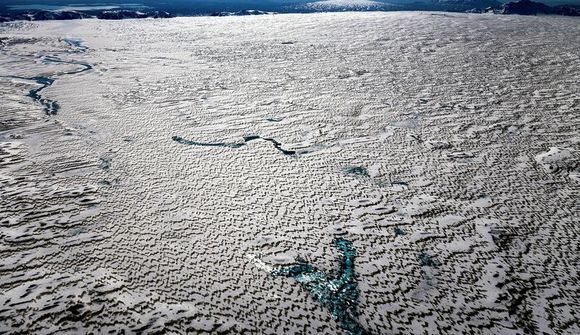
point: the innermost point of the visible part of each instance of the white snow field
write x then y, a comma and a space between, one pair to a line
158, 176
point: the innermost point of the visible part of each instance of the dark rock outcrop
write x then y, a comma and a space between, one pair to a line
528, 7
568, 10
244, 12
59, 15
132, 14
45, 15
160, 14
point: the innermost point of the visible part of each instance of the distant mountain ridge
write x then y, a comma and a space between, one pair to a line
245, 12
520, 7
47, 15
132, 14
528, 7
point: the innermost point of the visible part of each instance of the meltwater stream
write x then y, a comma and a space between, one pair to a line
235, 145
51, 107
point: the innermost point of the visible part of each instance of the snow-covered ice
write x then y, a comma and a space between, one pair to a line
443, 147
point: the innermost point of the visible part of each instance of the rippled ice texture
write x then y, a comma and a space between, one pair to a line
465, 219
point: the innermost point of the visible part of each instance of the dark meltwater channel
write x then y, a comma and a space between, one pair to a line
235, 145
51, 107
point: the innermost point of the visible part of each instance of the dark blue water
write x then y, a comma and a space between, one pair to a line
336, 290
34, 5
399, 232
428, 260
358, 170
50, 107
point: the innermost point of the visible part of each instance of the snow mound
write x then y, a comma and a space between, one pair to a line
558, 159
